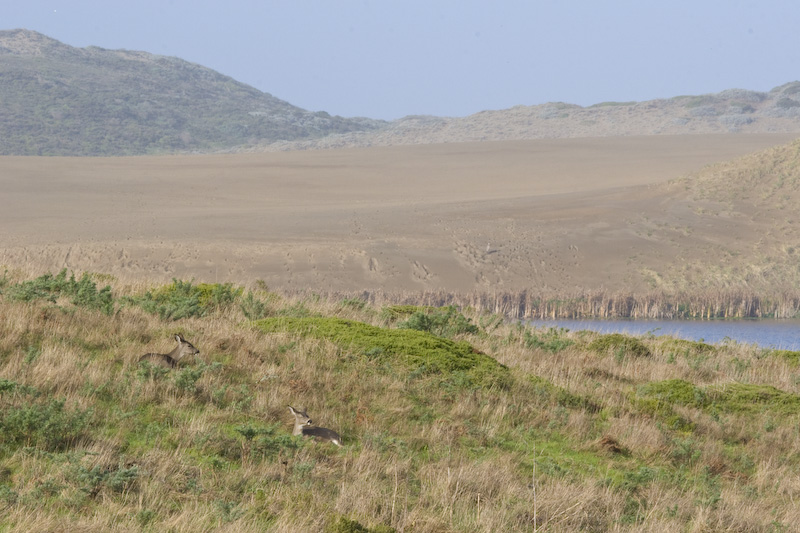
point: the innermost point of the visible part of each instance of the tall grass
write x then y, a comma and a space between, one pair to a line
697, 304
583, 432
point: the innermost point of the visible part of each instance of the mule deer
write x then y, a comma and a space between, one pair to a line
170, 360
303, 425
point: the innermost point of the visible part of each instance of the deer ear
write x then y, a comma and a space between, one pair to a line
178, 337
291, 409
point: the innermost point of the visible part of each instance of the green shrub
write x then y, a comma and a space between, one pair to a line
253, 308
182, 299
748, 399
659, 397
82, 292
48, 425
145, 517
147, 370
790, 356
399, 311
548, 392
186, 378
8, 386
686, 347
416, 352
552, 340
443, 322
342, 524
297, 310
117, 480
619, 344
269, 442
354, 303
674, 391
218, 295
8, 495
229, 511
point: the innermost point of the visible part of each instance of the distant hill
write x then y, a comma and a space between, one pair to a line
730, 111
61, 100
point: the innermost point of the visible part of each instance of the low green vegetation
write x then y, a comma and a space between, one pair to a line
415, 352
732, 398
685, 347
442, 322
551, 339
183, 299
451, 421
79, 292
791, 356
620, 345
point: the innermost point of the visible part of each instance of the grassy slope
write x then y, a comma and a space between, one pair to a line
499, 428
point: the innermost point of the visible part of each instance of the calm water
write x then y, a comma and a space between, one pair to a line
781, 334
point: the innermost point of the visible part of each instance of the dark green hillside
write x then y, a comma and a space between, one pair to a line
60, 100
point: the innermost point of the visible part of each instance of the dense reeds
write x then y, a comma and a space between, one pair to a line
452, 419
698, 304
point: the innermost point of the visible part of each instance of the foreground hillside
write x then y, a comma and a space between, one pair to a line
450, 422
61, 100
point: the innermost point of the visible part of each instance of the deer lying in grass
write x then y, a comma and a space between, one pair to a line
170, 360
303, 425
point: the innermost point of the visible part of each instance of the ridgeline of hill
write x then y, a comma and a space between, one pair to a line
730, 111
62, 100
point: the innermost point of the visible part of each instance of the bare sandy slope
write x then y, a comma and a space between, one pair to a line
559, 214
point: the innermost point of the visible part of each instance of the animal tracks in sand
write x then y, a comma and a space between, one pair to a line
420, 272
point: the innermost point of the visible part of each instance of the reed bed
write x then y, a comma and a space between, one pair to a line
697, 304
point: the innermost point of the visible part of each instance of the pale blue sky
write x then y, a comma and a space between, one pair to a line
386, 59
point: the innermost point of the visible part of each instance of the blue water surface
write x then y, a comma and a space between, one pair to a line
778, 334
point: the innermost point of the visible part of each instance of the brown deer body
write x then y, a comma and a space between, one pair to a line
303, 425
170, 360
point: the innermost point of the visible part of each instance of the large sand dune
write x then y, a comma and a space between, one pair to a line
558, 214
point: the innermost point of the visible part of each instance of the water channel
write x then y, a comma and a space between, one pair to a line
778, 334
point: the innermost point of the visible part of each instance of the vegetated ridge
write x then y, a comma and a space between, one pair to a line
451, 420
729, 111
62, 100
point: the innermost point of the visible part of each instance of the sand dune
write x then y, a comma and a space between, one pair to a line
561, 213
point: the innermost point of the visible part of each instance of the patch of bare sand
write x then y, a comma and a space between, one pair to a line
559, 214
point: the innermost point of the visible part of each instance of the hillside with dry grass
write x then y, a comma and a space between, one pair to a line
451, 420
745, 213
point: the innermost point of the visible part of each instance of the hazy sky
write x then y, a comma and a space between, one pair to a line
390, 58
